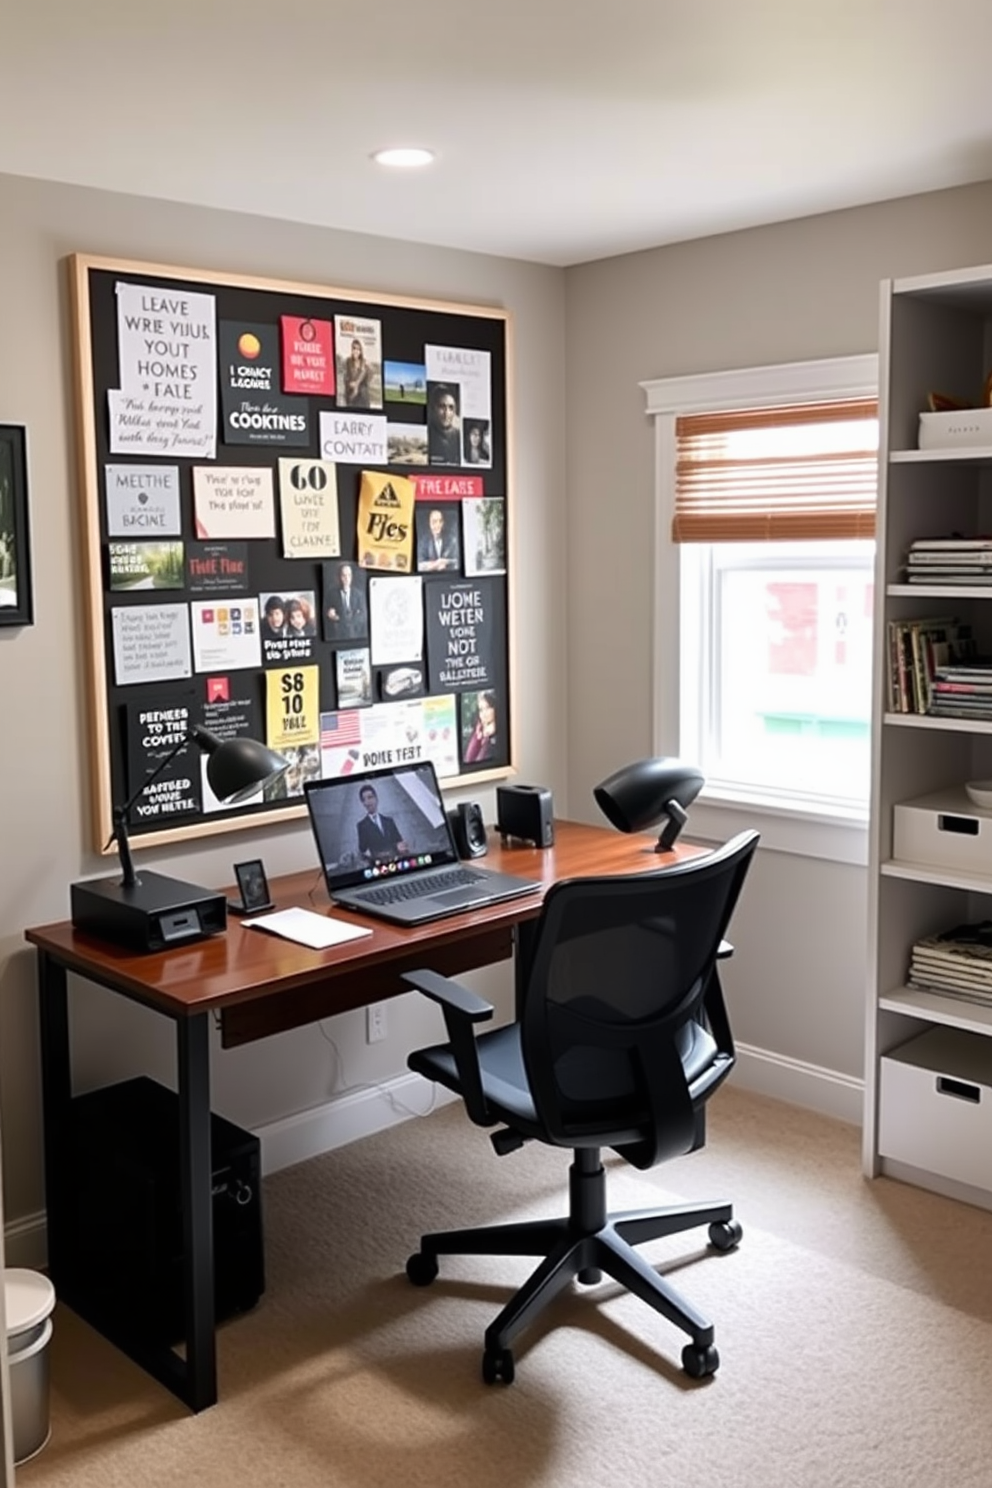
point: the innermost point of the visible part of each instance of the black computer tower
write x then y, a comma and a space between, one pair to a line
124, 1264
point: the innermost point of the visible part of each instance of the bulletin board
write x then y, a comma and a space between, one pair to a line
296, 517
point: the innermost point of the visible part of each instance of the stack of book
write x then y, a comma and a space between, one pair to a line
957, 962
962, 689
918, 651
950, 560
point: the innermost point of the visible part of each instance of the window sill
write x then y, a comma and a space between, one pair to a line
803, 830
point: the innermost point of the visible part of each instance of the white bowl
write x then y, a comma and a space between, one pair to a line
980, 791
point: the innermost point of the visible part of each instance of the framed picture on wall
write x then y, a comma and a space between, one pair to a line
15, 549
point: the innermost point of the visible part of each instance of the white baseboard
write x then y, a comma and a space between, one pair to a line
799, 1083
355, 1113
373, 1108
26, 1242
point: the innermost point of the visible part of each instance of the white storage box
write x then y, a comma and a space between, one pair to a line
966, 428
946, 830
935, 1105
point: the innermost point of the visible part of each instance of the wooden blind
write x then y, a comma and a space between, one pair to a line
763, 474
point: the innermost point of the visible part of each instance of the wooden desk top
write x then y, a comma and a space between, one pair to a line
243, 966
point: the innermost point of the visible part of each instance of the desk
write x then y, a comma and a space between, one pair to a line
259, 984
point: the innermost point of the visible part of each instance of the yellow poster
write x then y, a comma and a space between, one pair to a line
385, 521
292, 707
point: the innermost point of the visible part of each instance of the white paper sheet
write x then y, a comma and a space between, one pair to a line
307, 928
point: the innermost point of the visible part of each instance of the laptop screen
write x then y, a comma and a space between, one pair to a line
378, 824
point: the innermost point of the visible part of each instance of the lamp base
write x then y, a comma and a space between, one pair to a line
150, 915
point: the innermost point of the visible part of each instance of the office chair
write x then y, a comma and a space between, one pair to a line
621, 1037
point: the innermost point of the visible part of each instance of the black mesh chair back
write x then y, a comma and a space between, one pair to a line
613, 1022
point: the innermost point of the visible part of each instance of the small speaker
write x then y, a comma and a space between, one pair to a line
469, 830
527, 813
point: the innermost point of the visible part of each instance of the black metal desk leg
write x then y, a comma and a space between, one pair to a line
56, 1093
195, 1173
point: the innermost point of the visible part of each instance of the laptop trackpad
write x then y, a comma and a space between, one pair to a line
469, 895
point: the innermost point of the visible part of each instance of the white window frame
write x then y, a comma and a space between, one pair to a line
836, 835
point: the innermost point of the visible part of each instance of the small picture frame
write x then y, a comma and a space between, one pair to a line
254, 888
15, 550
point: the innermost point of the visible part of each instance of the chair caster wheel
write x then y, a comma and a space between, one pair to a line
421, 1269
497, 1364
699, 1362
725, 1236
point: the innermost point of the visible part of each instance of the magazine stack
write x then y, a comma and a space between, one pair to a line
950, 560
957, 963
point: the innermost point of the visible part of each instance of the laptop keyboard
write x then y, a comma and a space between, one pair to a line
420, 888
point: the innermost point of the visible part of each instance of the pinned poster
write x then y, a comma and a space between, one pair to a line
153, 732
143, 501
385, 521
396, 612
308, 500
354, 439
255, 408
406, 444
354, 677
166, 404
470, 369
358, 349
292, 707
465, 618
307, 355
233, 501
151, 643
230, 711
225, 635
484, 533
150, 565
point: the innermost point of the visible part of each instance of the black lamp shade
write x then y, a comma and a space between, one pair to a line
650, 791
237, 768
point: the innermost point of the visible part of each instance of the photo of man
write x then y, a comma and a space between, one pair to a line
379, 839
438, 548
444, 435
346, 611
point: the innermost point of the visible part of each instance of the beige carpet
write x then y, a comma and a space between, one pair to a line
854, 1326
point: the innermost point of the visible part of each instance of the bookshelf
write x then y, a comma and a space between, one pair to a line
928, 1059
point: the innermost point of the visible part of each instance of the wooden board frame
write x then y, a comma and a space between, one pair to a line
94, 331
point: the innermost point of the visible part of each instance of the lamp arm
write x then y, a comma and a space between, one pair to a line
121, 813
677, 818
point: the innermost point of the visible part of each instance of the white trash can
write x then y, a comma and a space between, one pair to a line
30, 1300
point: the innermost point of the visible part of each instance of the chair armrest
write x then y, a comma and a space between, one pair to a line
461, 1008
450, 994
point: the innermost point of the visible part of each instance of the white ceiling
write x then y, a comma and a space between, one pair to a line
565, 130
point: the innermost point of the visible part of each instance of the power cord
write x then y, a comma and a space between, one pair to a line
343, 1086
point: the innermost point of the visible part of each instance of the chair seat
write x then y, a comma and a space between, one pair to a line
507, 1089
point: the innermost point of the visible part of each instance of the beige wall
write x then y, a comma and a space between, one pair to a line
790, 292
43, 741
585, 338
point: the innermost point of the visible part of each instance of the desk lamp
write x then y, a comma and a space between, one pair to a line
151, 911
648, 792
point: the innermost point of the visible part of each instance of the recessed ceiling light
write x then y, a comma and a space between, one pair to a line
406, 158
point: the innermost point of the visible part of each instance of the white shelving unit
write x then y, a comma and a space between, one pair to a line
922, 1112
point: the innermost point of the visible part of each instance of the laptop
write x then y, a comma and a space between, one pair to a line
386, 848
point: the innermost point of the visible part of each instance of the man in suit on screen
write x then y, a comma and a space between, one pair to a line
379, 837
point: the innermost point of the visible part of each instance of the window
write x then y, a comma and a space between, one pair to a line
766, 493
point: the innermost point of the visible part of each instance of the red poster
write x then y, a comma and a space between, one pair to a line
307, 355
446, 487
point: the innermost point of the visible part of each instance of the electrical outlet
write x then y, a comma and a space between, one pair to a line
375, 1022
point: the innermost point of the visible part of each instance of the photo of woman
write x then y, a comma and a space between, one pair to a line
480, 738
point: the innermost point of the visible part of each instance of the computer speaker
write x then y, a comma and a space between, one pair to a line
527, 813
469, 830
